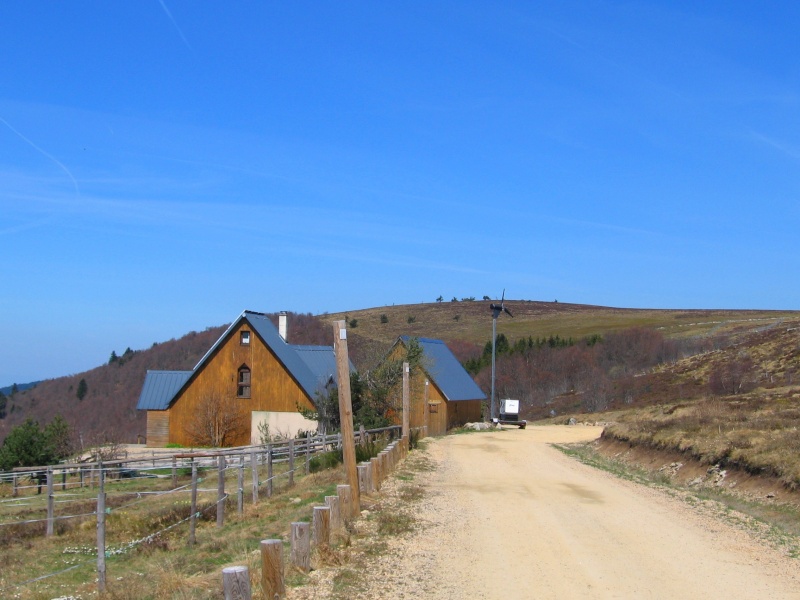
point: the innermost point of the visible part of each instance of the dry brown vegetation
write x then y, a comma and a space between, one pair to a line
738, 407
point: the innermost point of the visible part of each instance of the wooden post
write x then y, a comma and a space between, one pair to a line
63, 479
193, 519
376, 473
301, 546
406, 398
345, 501
426, 412
254, 473
321, 526
308, 452
101, 535
220, 490
269, 471
332, 502
240, 486
80, 475
365, 478
174, 472
50, 502
272, 581
291, 462
14, 488
236, 583
346, 412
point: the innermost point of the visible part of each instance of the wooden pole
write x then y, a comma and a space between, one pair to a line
301, 546
291, 462
236, 583
240, 486
426, 410
101, 534
346, 412
406, 398
15, 489
269, 471
50, 502
254, 473
308, 453
193, 519
321, 526
174, 472
63, 479
272, 581
220, 490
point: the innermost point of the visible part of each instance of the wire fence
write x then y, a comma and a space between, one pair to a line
146, 480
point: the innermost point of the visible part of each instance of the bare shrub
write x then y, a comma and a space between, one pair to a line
217, 420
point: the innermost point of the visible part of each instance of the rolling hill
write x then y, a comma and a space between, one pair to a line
107, 409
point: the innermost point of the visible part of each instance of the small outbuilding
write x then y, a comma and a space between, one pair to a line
442, 393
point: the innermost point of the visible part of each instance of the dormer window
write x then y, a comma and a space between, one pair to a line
244, 338
243, 387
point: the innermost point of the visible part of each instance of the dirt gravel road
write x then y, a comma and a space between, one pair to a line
505, 515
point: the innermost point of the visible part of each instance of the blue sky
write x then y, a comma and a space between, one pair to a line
167, 164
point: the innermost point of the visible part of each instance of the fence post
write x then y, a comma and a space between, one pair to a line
291, 463
345, 503
376, 473
254, 473
236, 583
193, 520
63, 479
300, 555
269, 471
101, 534
80, 475
240, 486
321, 524
272, 569
332, 502
220, 490
308, 452
14, 489
174, 472
50, 502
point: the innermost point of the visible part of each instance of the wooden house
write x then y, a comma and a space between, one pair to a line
442, 393
251, 380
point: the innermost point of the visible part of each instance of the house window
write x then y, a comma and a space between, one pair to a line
243, 387
244, 338
433, 408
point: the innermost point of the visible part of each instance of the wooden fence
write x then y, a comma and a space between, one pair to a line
261, 461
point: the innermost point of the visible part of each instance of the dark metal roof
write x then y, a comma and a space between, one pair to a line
160, 388
447, 374
321, 360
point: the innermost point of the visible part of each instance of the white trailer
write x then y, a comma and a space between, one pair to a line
509, 414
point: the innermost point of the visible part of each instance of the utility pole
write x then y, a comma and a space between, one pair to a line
346, 412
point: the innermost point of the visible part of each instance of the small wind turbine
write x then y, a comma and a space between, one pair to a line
496, 310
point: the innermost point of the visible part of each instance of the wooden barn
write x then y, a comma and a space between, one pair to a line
442, 393
251, 380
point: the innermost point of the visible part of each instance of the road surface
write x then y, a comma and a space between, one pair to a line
508, 516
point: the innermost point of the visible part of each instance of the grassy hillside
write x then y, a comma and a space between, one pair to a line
470, 321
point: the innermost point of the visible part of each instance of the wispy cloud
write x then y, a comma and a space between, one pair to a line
46, 154
788, 149
175, 23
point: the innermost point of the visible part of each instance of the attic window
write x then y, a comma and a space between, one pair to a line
243, 387
244, 338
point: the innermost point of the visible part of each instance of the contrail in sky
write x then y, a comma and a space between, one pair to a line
50, 156
169, 15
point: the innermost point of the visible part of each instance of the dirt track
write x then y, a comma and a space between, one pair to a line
507, 516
